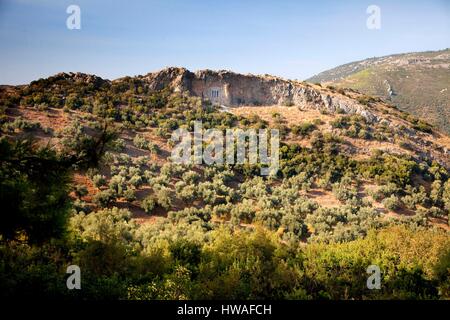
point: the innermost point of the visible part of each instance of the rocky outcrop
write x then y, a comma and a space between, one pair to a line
232, 89
177, 79
78, 77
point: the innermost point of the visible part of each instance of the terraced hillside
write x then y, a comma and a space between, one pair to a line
85, 161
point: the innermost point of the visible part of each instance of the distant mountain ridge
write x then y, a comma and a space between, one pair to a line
417, 82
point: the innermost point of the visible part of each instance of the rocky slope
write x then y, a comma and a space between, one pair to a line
233, 89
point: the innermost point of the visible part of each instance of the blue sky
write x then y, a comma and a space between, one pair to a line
292, 39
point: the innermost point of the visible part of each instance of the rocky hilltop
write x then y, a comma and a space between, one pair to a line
232, 89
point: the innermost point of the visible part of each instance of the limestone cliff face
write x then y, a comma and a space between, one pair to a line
232, 89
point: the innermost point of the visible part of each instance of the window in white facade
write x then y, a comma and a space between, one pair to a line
214, 93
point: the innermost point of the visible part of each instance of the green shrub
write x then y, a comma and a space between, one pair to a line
140, 142
81, 191
303, 129
135, 180
423, 126
118, 184
98, 180
129, 195
104, 198
148, 204
21, 124
391, 203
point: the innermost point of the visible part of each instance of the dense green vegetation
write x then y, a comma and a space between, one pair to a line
120, 260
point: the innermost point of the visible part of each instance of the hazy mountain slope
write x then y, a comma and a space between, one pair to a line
418, 83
